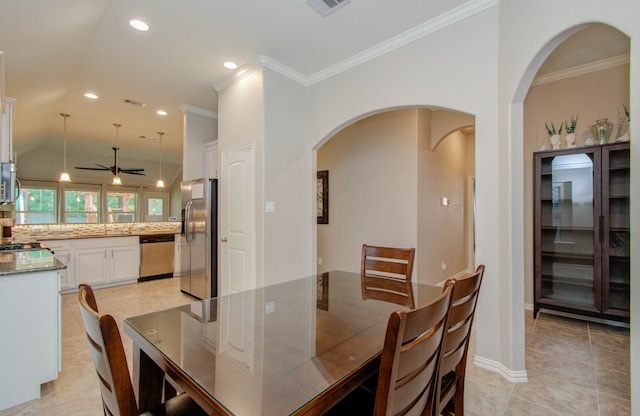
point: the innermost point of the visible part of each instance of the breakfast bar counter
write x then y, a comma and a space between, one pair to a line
30, 352
28, 261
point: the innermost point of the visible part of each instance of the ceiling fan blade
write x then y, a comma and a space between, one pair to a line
135, 171
77, 167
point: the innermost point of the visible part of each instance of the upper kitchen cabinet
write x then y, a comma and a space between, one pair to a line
581, 231
6, 131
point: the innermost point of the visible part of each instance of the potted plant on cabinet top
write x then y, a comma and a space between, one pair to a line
554, 136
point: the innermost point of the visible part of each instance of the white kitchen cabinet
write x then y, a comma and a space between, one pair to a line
124, 262
30, 351
91, 265
101, 262
6, 131
62, 249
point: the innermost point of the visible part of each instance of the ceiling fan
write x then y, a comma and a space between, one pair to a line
138, 171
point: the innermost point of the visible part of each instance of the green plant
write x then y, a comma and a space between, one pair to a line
552, 130
574, 123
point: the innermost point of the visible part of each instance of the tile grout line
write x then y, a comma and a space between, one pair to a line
593, 368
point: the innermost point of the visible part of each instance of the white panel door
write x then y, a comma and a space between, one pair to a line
237, 219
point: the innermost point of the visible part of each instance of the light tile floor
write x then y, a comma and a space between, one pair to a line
574, 367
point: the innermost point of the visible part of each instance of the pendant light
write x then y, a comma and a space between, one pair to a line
116, 178
64, 176
160, 183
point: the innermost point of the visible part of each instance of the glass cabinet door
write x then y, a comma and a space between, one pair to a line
567, 226
616, 248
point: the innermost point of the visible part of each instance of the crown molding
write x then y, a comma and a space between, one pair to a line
186, 108
581, 69
455, 15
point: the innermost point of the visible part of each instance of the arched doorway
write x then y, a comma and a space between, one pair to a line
389, 176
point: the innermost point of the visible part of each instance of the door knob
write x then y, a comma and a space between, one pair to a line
223, 239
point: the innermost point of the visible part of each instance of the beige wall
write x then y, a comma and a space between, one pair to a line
386, 186
372, 188
441, 229
590, 96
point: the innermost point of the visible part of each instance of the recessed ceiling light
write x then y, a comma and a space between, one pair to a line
230, 65
91, 95
139, 24
161, 113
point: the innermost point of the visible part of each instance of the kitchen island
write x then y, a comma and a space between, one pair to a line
30, 351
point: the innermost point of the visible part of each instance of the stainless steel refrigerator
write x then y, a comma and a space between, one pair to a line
200, 231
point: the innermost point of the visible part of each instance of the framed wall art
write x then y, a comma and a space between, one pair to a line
323, 197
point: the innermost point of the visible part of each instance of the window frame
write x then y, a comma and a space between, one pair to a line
80, 187
121, 189
103, 190
41, 186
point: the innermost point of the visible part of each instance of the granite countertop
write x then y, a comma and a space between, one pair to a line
28, 261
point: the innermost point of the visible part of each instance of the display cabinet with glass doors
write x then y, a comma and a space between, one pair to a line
581, 231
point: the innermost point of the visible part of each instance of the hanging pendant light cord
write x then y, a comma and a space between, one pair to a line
117, 134
64, 160
160, 167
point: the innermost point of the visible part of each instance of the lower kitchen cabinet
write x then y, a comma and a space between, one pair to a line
62, 251
31, 347
91, 266
101, 262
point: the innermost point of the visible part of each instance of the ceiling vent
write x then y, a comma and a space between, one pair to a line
324, 7
132, 102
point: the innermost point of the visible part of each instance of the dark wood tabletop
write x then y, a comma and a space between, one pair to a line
294, 348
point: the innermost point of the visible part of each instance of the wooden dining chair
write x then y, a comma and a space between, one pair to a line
408, 365
387, 262
110, 361
456, 344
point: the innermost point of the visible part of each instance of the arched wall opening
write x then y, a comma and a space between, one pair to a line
390, 174
582, 93
521, 146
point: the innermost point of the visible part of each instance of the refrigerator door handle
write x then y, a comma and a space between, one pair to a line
187, 222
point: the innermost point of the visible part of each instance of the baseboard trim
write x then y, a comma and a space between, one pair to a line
496, 367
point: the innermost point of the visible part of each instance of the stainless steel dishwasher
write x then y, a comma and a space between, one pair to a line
156, 256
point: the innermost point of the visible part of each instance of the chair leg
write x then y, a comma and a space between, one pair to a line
458, 400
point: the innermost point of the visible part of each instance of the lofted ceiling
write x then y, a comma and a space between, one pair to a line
54, 52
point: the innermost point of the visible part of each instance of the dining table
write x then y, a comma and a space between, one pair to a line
293, 348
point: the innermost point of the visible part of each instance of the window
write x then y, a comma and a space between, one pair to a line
81, 206
121, 207
36, 205
156, 205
